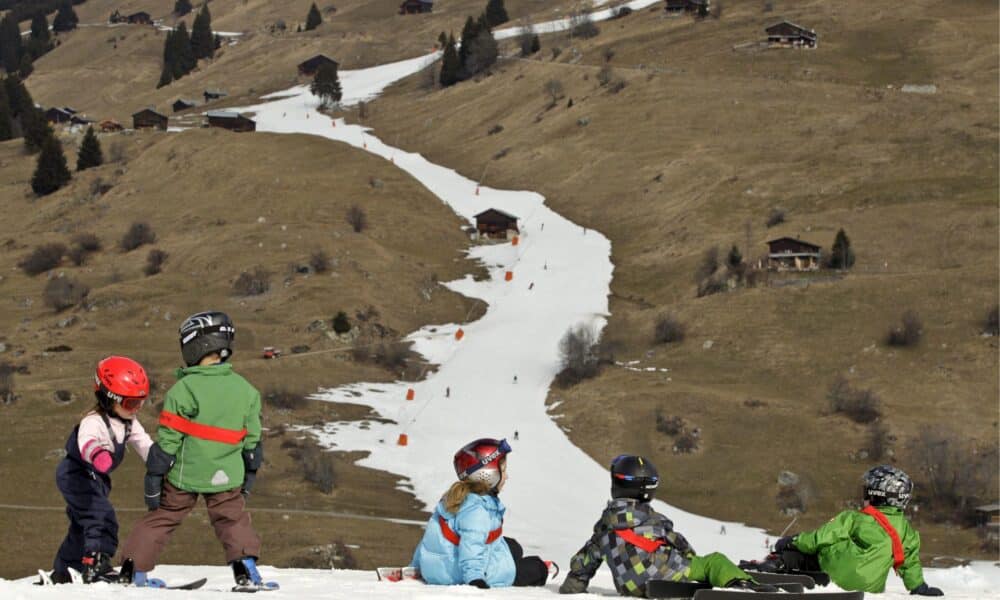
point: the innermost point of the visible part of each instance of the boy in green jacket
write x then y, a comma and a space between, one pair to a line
208, 443
857, 548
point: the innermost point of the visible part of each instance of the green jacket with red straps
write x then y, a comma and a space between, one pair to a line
209, 417
856, 552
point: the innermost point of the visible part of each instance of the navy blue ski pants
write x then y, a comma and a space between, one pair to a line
93, 526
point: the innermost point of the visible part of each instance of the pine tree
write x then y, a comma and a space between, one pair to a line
40, 29
449, 64
202, 42
469, 31
26, 67
66, 19
442, 40
314, 19
166, 76
734, 258
483, 51
10, 44
496, 13
36, 129
326, 84
6, 116
51, 172
182, 7
90, 154
178, 53
17, 95
841, 255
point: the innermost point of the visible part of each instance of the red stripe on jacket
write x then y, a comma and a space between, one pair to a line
897, 546
202, 431
638, 541
450, 535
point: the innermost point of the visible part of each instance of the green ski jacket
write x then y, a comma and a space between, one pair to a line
856, 552
209, 417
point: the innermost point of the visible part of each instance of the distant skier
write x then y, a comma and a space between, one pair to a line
515, 378
208, 444
858, 548
95, 449
722, 530
640, 545
515, 435
463, 542
532, 286
447, 392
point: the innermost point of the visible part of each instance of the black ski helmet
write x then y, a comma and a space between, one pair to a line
204, 333
887, 485
633, 477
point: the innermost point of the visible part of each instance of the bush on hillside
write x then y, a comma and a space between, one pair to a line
554, 90
860, 406
341, 324
87, 241
7, 395
709, 264
991, 325
877, 443
583, 26
953, 474
775, 217
530, 44
668, 330
907, 333
139, 234
317, 467
393, 356
43, 258
252, 283
669, 424
578, 359
319, 261
63, 292
357, 218
154, 261
283, 399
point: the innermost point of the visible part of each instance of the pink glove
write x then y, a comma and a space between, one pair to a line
102, 462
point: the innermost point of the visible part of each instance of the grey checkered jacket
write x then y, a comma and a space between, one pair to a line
630, 565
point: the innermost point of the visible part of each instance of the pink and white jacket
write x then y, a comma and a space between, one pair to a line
95, 440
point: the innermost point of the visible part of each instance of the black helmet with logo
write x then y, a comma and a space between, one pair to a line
633, 477
204, 333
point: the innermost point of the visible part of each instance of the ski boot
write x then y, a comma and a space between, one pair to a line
129, 576
97, 567
53, 578
248, 578
750, 584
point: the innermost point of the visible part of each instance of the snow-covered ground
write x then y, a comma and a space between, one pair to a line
493, 382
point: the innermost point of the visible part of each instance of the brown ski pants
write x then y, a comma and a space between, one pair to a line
226, 511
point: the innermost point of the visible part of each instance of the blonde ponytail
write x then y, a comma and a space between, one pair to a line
458, 492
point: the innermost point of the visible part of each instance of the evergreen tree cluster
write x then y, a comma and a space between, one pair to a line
18, 53
313, 19
182, 51
326, 84
478, 50
66, 19
182, 7
22, 10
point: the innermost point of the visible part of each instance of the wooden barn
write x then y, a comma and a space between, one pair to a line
309, 67
213, 95
789, 35
139, 18
676, 7
230, 120
495, 223
148, 118
791, 254
415, 7
183, 104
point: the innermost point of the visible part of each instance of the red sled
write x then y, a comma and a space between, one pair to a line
398, 574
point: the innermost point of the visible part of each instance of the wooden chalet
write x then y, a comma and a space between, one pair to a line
183, 104
495, 223
310, 67
789, 35
988, 520
79, 119
791, 254
233, 121
415, 7
148, 118
59, 115
139, 18
682, 6
213, 95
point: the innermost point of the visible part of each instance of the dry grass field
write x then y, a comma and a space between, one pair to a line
695, 148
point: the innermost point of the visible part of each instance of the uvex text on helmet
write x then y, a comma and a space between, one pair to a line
479, 460
887, 485
203, 333
633, 477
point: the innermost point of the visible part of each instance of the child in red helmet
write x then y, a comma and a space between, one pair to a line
464, 542
94, 449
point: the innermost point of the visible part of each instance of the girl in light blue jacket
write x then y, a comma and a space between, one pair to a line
464, 542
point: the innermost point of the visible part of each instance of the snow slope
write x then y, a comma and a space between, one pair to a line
561, 276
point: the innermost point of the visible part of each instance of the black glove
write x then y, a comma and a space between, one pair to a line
158, 464
785, 543
479, 583
248, 480
925, 590
252, 460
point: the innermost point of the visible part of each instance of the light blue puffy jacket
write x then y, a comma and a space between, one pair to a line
443, 563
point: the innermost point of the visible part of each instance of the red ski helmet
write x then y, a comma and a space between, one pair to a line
480, 461
120, 380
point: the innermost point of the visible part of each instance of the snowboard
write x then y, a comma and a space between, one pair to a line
253, 588
721, 594
393, 574
659, 588
780, 578
756, 567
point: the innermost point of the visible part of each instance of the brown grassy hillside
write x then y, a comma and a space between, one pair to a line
695, 150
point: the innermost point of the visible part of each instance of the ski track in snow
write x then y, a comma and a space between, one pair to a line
555, 491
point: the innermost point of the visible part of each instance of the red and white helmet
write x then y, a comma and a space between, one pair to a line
480, 461
120, 380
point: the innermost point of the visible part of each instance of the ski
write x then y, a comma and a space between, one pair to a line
252, 588
191, 585
782, 578
394, 574
717, 594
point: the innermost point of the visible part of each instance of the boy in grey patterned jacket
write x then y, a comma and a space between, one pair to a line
640, 545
